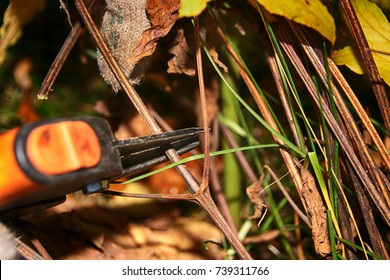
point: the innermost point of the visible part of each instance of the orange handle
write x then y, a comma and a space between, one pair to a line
13, 181
50, 149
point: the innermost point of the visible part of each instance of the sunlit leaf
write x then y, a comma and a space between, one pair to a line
348, 56
311, 13
384, 4
18, 13
376, 28
190, 8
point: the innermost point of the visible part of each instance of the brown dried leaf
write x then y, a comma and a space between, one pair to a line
26, 110
98, 233
162, 15
170, 181
214, 55
181, 62
253, 192
316, 212
267, 236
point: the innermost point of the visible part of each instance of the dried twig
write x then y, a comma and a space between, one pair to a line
216, 186
202, 97
26, 252
263, 109
378, 187
201, 194
131, 93
62, 55
368, 60
331, 121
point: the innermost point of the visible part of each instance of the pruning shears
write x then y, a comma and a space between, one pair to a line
42, 162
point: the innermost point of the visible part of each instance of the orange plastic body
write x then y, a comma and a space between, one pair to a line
13, 181
52, 149
63, 147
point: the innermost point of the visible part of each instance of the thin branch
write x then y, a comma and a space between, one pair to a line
131, 93
368, 60
239, 154
287, 196
215, 184
380, 191
321, 104
62, 55
26, 251
203, 106
264, 111
360, 111
203, 198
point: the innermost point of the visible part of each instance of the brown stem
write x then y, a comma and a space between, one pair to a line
205, 201
331, 121
216, 186
378, 186
378, 245
131, 93
239, 154
202, 97
368, 60
287, 157
203, 197
62, 55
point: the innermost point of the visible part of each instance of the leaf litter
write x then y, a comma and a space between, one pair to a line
82, 228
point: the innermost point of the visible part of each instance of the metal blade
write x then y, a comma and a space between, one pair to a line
140, 153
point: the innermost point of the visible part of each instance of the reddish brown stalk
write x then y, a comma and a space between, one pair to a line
381, 191
264, 111
368, 60
62, 55
344, 143
26, 252
203, 198
202, 95
215, 184
360, 112
131, 93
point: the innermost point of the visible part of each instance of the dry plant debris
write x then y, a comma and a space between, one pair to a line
350, 183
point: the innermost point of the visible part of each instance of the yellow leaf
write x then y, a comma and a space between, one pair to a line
190, 8
384, 4
376, 28
18, 13
311, 13
347, 56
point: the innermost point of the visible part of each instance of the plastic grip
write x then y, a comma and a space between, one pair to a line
42, 155
13, 181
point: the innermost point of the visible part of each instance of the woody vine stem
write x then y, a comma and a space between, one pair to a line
201, 194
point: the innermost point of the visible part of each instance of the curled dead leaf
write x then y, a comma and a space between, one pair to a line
162, 15
182, 62
253, 192
316, 213
215, 56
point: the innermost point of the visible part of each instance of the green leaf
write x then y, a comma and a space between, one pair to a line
376, 28
311, 13
190, 8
